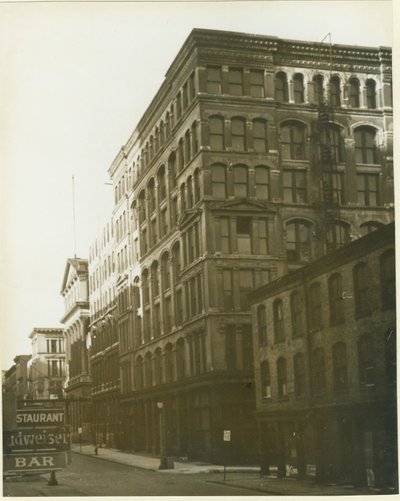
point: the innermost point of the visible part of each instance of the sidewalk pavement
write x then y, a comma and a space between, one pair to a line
239, 476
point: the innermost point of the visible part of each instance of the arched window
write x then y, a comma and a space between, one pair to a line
297, 313
281, 87
155, 283
176, 261
181, 157
339, 362
298, 241
262, 182
151, 195
195, 139
371, 93
172, 170
315, 306
216, 134
361, 281
334, 91
337, 236
260, 136
388, 279
183, 197
265, 379
139, 373
167, 125
318, 370
335, 291
240, 181
162, 189
180, 358
262, 324
189, 184
281, 377
151, 148
148, 370
145, 287
293, 141
299, 370
196, 182
298, 88
162, 132
218, 181
366, 361
332, 148
319, 89
165, 274
365, 145
238, 134
188, 147
158, 379
142, 207
169, 364
354, 91
277, 311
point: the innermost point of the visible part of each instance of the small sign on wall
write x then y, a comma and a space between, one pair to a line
227, 435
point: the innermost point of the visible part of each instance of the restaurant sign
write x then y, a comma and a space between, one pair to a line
36, 417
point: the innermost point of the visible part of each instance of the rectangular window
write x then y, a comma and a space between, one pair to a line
294, 186
246, 284
243, 232
227, 292
225, 246
179, 307
213, 80
230, 349
367, 189
334, 188
262, 236
163, 223
235, 82
257, 83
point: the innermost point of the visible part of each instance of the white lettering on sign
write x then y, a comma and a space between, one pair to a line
40, 417
33, 462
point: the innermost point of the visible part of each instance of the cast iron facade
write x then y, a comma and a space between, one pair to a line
256, 156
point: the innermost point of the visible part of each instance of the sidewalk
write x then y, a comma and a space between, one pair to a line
238, 476
152, 463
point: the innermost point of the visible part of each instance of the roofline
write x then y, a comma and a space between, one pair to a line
194, 38
346, 253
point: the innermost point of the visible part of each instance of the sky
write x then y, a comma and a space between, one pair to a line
75, 78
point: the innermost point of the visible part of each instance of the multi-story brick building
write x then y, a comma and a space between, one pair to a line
325, 366
103, 341
16, 377
46, 368
75, 291
255, 156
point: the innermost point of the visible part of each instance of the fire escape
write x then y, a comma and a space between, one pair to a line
329, 176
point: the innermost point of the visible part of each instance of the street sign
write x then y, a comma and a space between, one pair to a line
37, 439
20, 463
39, 417
227, 435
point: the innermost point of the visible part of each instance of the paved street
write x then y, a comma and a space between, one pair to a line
87, 476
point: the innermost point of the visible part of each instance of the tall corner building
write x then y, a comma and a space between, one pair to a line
256, 156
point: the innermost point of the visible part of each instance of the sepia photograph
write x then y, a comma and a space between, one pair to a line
198, 288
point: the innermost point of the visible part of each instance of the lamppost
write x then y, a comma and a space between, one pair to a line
166, 463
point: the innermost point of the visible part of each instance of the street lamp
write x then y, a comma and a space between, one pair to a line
166, 463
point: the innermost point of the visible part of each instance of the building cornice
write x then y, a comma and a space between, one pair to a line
375, 240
